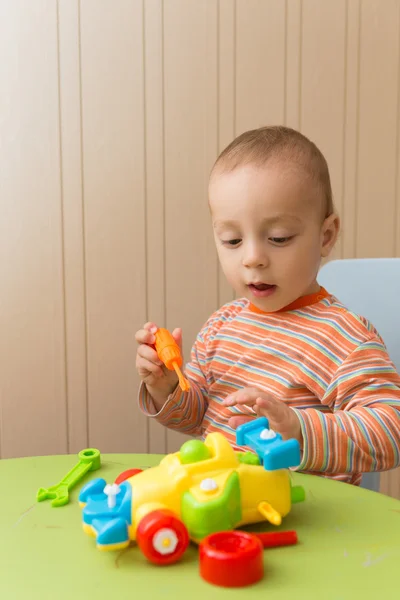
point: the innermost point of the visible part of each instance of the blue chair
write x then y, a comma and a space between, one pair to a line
369, 287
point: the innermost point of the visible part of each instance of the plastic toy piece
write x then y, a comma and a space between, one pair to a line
89, 460
126, 475
109, 524
162, 537
272, 450
234, 558
275, 539
231, 559
269, 513
169, 353
193, 451
204, 488
111, 490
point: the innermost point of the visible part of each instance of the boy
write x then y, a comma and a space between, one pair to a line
286, 349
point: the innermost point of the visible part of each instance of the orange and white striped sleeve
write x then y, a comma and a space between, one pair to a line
360, 429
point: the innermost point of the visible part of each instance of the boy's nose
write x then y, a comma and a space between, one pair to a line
254, 257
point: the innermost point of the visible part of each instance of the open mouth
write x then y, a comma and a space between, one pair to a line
262, 290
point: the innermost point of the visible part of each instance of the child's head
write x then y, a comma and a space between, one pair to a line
273, 217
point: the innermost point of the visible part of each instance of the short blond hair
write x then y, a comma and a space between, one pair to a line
258, 146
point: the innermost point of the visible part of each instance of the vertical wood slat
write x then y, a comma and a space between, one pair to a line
155, 213
71, 161
397, 183
113, 159
350, 150
260, 63
323, 92
190, 109
377, 137
226, 102
33, 416
293, 42
390, 483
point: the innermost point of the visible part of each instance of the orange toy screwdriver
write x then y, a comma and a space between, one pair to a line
169, 353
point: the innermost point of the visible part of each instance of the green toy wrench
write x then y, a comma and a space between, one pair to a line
89, 460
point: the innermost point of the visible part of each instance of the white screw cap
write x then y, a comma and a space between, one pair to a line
111, 490
208, 485
267, 434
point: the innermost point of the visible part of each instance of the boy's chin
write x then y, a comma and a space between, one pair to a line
270, 304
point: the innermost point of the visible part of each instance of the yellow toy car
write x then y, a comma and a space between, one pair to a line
204, 488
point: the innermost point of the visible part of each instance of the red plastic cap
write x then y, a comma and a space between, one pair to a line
126, 475
231, 559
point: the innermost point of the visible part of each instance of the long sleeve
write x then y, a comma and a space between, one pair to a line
183, 411
358, 429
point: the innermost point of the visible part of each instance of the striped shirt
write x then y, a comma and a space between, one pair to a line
327, 363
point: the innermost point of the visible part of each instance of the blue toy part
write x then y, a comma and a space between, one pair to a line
110, 523
95, 487
111, 532
273, 452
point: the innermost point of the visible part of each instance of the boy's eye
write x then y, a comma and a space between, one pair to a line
280, 240
234, 242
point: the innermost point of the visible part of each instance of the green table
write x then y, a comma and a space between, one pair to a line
349, 545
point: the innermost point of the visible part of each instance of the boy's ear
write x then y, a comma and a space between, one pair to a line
329, 234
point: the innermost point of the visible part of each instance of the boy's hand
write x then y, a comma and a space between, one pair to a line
159, 380
282, 419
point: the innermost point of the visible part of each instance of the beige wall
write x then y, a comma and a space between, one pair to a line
111, 114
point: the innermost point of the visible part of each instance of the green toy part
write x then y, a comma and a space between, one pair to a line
89, 460
297, 493
248, 458
222, 513
193, 451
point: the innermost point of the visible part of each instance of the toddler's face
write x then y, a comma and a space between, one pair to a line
270, 232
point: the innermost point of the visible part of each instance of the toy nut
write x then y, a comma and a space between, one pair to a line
231, 559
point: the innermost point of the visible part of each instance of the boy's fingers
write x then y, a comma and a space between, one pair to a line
146, 365
150, 326
246, 396
177, 335
234, 422
149, 354
275, 410
143, 336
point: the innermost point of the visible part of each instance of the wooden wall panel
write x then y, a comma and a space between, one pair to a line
73, 234
111, 116
155, 185
190, 113
226, 84
293, 62
377, 133
390, 483
32, 352
323, 84
112, 65
351, 130
260, 63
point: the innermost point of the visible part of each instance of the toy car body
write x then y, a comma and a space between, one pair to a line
204, 488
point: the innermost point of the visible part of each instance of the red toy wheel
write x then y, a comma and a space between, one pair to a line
231, 559
162, 537
127, 474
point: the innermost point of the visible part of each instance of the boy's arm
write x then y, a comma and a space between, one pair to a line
183, 411
363, 432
